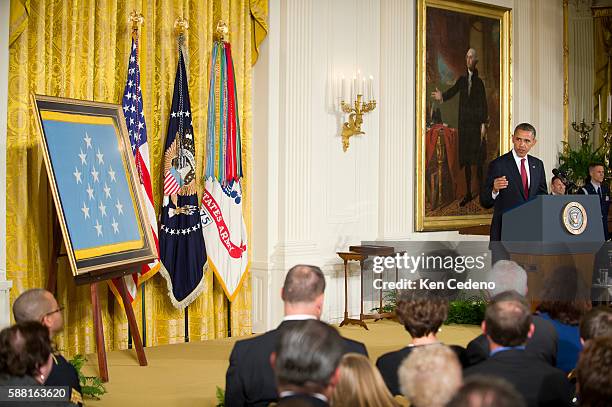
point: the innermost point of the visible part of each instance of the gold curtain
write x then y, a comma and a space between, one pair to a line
602, 38
80, 49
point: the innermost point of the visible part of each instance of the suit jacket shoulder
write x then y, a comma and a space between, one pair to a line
63, 374
539, 383
388, 364
477, 350
249, 380
351, 346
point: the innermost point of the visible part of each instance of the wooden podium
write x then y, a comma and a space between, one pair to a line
550, 232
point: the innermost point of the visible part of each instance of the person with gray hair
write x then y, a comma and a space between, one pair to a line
306, 363
510, 276
481, 391
430, 376
249, 379
473, 118
38, 304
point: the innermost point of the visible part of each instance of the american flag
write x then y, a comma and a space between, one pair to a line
137, 130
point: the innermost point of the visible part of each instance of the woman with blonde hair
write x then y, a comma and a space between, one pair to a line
360, 384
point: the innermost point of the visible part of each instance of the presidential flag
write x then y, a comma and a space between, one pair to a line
181, 243
222, 220
137, 130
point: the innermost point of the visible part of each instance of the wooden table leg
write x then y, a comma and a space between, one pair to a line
361, 287
346, 317
99, 328
347, 320
129, 312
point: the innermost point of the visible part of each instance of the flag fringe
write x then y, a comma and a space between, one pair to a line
181, 305
230, 296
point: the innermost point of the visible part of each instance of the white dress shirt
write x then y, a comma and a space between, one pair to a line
298, 317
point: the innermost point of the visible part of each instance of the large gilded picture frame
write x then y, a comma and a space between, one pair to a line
95, 186
463, 108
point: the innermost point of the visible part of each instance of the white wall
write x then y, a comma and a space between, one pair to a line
4, 56
310, 199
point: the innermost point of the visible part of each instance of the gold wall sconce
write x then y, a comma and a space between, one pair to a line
357, 98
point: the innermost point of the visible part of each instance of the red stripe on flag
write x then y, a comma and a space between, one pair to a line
170, 185
144, 175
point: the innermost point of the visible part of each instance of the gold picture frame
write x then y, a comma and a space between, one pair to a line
443, 197
95, 187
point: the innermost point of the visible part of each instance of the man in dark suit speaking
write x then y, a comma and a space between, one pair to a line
513, 178
250, 379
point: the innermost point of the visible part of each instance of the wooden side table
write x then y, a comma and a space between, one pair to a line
360, 254
346, 257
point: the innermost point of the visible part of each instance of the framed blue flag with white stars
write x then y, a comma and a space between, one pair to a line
94, 183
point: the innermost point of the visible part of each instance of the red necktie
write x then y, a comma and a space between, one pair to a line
524, 178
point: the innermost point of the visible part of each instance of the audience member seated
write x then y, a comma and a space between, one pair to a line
596, 323
40, 305
564, 301
422, 312
250, 378
306, 363
430, 376
25, 354
509, 275
507, 326
593, 373
480, 391
26, 359
360, 384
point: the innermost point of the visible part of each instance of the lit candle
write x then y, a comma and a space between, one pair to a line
362, 86
608, 107
599, 104
353, 89
345, 89
371, 87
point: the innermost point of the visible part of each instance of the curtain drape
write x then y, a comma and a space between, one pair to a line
602, 38
79, 49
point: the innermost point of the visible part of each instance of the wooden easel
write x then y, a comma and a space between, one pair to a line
95, 303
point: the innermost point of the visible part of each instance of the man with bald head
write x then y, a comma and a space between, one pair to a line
473, 116
40, 305
250, 378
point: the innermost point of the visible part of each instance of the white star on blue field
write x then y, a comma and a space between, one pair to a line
92, 184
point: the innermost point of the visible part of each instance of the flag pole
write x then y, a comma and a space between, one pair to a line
136, 19
222, 32
181, 25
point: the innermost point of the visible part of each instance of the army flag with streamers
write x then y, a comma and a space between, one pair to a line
182, 250
223, 224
